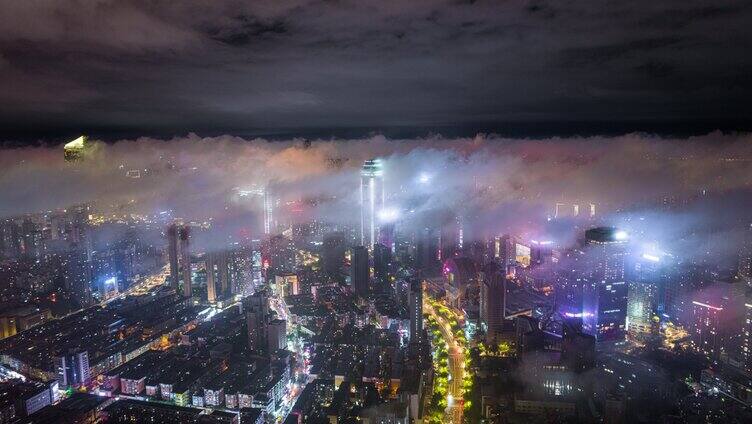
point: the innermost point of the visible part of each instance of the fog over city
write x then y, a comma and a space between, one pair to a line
635, 181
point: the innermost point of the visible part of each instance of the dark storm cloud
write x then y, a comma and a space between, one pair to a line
236, 65
598, 54
245, 29
677, 18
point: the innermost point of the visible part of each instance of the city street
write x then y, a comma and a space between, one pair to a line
144, 285
277, 304
456, 367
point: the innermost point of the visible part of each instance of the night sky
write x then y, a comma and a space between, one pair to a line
521, 68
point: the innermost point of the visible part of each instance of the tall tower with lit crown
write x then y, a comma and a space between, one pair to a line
372, 198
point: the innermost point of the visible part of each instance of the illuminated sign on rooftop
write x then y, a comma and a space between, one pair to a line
705, 305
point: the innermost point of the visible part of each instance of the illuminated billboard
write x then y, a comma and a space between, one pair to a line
522, 254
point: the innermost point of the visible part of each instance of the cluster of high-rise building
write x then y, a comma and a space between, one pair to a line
66, 259
220, 273
315, 321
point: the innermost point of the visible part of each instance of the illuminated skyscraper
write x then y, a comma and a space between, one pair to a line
240, 270
746, 347
72, 368
276, 335
257, 313
257, 268
492, 300
10, 244
359, 272
640, 308
604, 302
511, 251
211, 283
745, 257
677, 297
643, 296
266, 201
31, 239
718, 312
706, 331
78, 276
223, 269
450, 238
172, 251
416, 311
256, 330
268, 211
185, 253
279, 255
372, 199
427, 251
382, 262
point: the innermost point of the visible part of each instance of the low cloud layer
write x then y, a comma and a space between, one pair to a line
680, 186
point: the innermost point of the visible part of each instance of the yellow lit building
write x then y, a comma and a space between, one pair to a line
74, 150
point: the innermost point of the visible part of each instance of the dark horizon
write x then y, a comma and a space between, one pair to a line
27, 136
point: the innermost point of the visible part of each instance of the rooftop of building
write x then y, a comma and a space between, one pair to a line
250, 415
604, 235
12, 390
126, 410
96, 330
234, 379
141, 366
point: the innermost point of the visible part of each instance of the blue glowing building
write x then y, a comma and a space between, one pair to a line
604, 298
